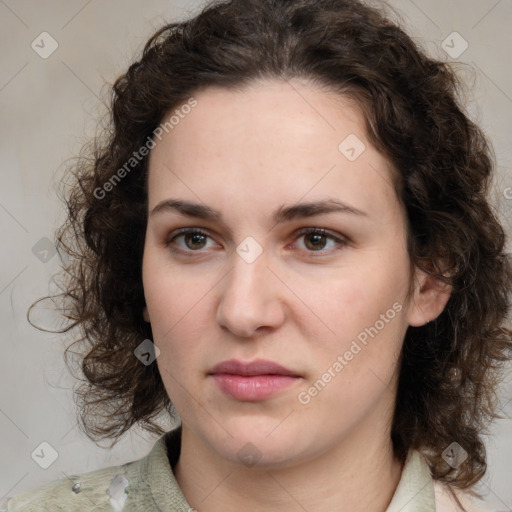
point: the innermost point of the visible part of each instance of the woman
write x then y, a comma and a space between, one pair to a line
286, 235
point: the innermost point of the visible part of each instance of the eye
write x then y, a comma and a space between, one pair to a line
194, 240
315, 240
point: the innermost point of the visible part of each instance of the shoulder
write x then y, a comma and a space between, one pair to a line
148, 483
445, 502
83, 492
418, 490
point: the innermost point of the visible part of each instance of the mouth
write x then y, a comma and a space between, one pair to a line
254, 368
254, 381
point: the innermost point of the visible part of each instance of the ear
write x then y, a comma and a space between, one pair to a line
145, 314
429, 299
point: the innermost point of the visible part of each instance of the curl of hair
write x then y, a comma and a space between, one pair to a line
450, 368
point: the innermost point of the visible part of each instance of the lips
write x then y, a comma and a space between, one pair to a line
258, 367
254, 381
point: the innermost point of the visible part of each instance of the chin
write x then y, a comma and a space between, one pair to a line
259, 444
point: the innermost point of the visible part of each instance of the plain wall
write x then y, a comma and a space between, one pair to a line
50, 107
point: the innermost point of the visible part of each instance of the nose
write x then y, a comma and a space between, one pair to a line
251, 302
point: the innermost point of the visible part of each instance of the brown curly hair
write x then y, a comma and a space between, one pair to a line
450, 368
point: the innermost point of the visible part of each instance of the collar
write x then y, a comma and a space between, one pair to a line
415, 490
149, 484
414, 493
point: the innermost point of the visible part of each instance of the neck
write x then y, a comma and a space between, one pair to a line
360, 474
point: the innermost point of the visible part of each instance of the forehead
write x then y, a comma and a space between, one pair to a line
273, 142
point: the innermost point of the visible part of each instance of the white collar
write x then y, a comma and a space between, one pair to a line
415, 490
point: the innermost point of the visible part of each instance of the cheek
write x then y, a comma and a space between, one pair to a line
173, 294
176, 312
358, 297
365, 308
357, 366
179, 305
177, 333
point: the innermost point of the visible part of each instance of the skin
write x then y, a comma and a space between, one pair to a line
246, 153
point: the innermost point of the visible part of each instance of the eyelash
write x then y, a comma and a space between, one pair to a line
342, 242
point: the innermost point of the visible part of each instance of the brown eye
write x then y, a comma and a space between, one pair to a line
194, 240
188, 240
317, 239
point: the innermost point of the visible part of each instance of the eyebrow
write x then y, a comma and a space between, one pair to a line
282, 214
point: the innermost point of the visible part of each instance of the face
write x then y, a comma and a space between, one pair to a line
281, 311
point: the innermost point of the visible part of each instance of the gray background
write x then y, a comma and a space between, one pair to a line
51, 106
